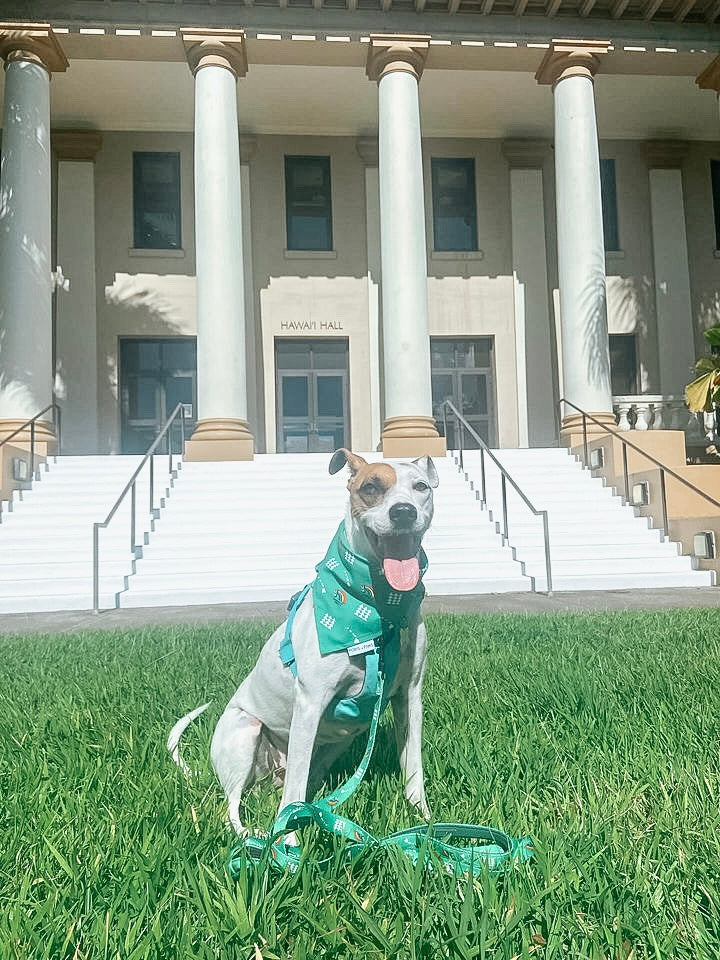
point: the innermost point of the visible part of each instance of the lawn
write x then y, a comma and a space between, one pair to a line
599, 735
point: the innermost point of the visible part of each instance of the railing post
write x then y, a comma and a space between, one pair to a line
503, 484
152, 484
548, 564
96, 568
32, 449
585, 443
625, 473
482, 476
663, 496
461, 441
132, 519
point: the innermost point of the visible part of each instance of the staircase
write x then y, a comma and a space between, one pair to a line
596, 542
235, 532
46, 543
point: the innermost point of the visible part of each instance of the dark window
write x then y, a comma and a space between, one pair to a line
308, 204
156, 199
623, 365
608, 192
715, 175
454, 205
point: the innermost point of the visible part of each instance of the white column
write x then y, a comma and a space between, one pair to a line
248, 148
217, 59
367, 148
571, 66
396, 63
76, 361
673, 301
536, 400
26, 348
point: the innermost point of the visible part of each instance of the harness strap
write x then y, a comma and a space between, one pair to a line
497, 851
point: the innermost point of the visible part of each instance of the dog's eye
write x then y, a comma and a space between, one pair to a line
369, 489
421, 486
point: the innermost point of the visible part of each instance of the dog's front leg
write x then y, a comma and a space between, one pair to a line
307, 711
408, 719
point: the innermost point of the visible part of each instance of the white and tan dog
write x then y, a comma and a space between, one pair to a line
280, 724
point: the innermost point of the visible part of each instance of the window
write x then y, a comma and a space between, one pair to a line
308, 203
715, 176
623, 365
462, 371
608, 193
454, 205
156, 199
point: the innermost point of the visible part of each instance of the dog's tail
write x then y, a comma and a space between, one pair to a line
173, 741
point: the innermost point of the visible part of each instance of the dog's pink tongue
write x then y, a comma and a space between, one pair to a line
401, 574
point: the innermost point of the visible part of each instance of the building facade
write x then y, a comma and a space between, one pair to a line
313, 224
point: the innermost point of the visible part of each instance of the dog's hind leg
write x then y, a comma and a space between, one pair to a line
234, 753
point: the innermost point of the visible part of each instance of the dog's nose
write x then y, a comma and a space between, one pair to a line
402, 514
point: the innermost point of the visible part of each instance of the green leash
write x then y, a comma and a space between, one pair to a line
490, 849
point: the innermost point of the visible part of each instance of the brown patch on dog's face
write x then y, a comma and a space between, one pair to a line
369, 485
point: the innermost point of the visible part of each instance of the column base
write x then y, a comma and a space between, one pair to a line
45, 440
220, 439
404, 437
571, 431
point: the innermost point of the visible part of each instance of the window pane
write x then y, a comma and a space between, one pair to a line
330, 354
609, 204
143, 398
156, 193
442, 354
178, 355
329, 396
474, 394
293, 354
308, 204
715, 175
454, 204
295, 396
148, 355
442, 387
623, 364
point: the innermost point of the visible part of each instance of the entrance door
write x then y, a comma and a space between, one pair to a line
462, 371
155, 375
312, 395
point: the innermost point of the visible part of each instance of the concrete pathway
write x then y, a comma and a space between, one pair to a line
71, 621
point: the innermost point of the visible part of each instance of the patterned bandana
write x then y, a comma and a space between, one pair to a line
354, 603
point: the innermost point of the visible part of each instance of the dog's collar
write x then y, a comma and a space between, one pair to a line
354, 603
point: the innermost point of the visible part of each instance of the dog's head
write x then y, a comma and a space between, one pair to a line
391, 506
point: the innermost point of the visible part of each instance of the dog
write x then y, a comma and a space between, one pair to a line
290, 718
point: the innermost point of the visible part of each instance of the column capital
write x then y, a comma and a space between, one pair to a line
571, 58
215, 48
709, 79
34, 42
525, 154
248, 147
368, 150
664, 154
392, 52
76, 144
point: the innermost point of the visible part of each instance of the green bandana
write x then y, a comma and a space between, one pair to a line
354, 603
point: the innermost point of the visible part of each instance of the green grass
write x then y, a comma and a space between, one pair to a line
597, 734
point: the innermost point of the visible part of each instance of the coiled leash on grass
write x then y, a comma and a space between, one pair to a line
495, 851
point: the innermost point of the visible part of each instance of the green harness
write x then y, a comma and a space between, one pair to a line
357, 610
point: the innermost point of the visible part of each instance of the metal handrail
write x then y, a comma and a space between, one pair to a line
57, 430
179, 411
505, 478
628, 443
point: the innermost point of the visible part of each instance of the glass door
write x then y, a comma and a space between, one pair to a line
462, 372
312, 391
155, 375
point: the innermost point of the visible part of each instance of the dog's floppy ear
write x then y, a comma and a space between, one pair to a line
426, 465
342, 457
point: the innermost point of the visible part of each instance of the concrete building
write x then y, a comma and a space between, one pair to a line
311, 223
